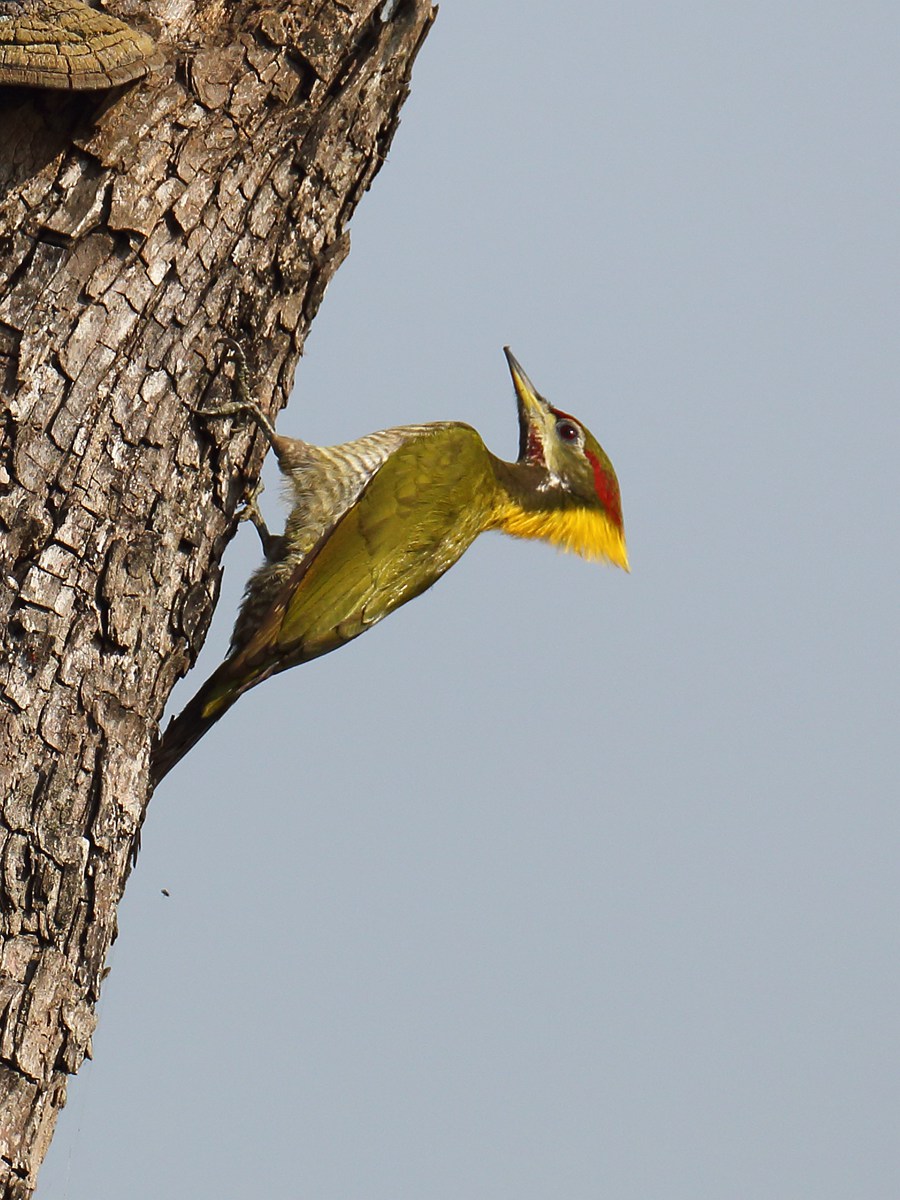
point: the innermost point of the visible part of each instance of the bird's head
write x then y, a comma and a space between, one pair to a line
573, 499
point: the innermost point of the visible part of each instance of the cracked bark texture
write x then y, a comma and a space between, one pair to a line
136, 229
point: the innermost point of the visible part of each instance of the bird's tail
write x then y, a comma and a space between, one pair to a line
184, 731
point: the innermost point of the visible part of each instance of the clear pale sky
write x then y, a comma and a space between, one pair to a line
562, 882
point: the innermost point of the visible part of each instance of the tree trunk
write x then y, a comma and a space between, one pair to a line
137, 229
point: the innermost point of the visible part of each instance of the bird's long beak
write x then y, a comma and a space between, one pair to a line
533, 411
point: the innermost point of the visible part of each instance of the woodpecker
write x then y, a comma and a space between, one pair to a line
377, 521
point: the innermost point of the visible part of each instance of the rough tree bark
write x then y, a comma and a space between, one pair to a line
137, 228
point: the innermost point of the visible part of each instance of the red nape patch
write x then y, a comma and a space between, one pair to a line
558, 412
607, 489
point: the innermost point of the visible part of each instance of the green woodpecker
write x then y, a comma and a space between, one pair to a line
378, 520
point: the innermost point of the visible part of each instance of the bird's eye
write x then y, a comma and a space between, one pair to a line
567, 430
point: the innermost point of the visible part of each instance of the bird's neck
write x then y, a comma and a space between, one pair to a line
530, 503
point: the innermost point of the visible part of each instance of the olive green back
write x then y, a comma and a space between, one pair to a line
413, 520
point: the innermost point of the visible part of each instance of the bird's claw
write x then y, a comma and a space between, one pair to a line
243, 403
250, 512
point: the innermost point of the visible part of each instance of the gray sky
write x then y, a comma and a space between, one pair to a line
562, 882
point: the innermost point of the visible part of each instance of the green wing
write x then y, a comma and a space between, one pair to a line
413, 520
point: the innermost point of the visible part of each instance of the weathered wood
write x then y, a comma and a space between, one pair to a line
136, 230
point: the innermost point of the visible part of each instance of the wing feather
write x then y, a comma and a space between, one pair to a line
420, 511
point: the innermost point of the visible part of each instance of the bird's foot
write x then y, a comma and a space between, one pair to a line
235, 353
240, 408
250, 512
243, 404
